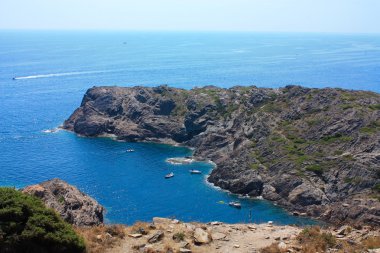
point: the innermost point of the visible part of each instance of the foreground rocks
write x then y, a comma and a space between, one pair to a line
218, 237
313, 151
74, 206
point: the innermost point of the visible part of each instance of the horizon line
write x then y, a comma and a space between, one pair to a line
182, 31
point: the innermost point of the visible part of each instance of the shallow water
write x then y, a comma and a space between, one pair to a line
54, 70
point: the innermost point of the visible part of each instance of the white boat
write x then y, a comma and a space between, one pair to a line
235, 204
195, 172
130, 150
170, 175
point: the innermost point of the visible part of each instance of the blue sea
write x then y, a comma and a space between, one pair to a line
54, 69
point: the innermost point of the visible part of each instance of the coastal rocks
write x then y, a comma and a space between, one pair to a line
305, 195
73, 205
309, 150
269, 193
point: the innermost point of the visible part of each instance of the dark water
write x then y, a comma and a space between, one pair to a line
54, 69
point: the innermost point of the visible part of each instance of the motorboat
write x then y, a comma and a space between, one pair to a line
235, 204
170, 175
195, 172
130, 150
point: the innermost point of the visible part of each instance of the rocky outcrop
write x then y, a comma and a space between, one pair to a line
309, 150
74, 206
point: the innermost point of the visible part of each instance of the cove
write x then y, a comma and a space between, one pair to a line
132, 187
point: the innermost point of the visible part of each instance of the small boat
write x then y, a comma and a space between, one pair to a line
130, 150
195, 172
235, 204
170, 175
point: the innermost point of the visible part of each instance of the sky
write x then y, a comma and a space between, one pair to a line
337, 16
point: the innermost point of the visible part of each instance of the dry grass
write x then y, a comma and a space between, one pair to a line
99, 239
273, 248
313, 240
139, 227
372, 242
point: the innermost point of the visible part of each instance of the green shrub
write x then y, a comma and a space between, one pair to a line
377, 188
26, 225
371, 128
316, 168
375, 107
346, 106
255, 166
178, 237
337, 137
313, 122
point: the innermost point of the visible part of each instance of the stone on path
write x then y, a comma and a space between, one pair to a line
156, 237
201, 236
135, 235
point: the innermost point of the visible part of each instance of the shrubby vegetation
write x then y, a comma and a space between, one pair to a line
26, 225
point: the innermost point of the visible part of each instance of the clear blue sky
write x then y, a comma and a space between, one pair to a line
347, 16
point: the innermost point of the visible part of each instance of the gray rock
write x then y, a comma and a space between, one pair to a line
74, 206
156, 237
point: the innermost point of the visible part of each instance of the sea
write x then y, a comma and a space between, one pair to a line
44, 75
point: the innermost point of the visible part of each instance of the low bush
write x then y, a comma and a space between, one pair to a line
26, 225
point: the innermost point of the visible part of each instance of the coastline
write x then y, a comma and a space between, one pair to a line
239, 128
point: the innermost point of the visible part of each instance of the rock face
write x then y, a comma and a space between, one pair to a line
74, 206
309, 150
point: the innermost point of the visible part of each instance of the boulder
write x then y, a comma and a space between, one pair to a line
201, 236
282, 246
305, 195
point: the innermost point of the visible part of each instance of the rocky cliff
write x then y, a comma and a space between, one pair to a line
313, 151
74, 206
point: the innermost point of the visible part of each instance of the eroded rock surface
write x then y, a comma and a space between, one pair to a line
73, 205
309, 150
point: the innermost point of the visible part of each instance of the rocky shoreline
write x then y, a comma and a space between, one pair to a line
312, 151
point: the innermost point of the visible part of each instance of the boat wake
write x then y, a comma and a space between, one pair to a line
56, 75
50, 131
179, 160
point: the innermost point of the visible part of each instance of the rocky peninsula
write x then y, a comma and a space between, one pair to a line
315, 152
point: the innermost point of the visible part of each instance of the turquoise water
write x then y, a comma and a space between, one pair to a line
54, 69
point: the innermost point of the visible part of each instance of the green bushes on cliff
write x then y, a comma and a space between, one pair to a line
26, 225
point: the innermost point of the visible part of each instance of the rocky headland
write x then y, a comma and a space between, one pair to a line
315, 152
74, 206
